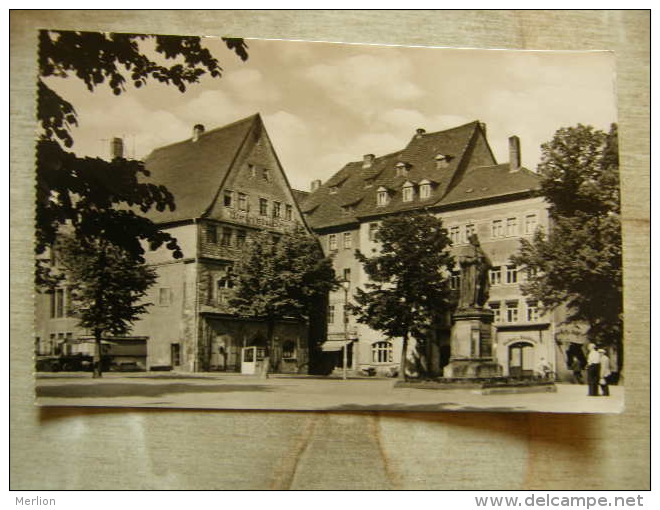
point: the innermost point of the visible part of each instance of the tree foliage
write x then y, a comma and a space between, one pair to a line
97, 197
578, 262
282, 278
409, 279
106, 287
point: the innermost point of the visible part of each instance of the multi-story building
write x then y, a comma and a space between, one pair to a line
227, 183
453, 174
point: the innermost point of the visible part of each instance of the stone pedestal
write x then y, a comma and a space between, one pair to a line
471, 346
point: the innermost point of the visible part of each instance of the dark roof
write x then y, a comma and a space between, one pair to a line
194, 171
300, 195
491, 181
357, 187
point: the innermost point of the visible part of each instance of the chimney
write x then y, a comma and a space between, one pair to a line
117, 148
198, 130
368, 160
316, 184
514, 154
419, 132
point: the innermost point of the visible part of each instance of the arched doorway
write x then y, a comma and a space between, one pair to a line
521, 359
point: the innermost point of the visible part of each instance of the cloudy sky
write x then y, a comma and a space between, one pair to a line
326, 104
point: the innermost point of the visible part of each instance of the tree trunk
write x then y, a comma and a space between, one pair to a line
270, 339
98, 357
404, 359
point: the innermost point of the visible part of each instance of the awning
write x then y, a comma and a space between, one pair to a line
334, 345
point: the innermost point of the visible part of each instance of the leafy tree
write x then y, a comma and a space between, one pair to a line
106, 287
409, 279
578, 262
287, 277
97, 198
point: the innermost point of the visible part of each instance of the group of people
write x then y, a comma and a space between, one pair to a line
598, 371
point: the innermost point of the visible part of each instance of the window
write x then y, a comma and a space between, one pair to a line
253, 171
373, 227
289, 349
332, 242
223, 288
511, 274
277, 209
242, 202
512, 311
401, 169
334, 190
531, 223
288, 212
470, 230
512, 226
455, 280
240, 237
263, 207
424, 190
331, 314
532, 311
57, 303
175, 354
265, 173
497, 229
455, 235
495, 275
228, 195
164, 296
497, 313
348, 240
225, 240
382, 197
347, 274
408, 194
381, 352
211, 234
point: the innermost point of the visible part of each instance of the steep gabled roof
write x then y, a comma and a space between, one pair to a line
194, 170
354, 184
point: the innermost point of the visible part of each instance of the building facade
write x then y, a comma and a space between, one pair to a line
453, 174
227, 183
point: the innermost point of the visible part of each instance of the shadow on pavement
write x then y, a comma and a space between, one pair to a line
139, 390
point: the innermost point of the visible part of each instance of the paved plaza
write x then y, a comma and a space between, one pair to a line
235, 391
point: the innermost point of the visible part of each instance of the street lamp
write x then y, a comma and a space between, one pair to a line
346, 285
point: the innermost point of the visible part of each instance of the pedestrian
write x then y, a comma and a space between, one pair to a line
576, 367
593, 370
545, 368
605, 373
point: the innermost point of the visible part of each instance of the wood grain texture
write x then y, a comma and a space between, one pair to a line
173, 449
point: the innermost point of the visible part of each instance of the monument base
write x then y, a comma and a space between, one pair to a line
471, 346
472, 369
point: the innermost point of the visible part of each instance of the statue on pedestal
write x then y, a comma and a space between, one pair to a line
474, 265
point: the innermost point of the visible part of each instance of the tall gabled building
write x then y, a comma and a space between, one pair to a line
453, 174
227, 183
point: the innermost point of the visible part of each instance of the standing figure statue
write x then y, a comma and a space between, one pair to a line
475, 285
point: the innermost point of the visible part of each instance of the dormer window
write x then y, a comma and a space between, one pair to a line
402, 169
408, 191
368, 183
442, 161
382, 196
424, 189
334, 189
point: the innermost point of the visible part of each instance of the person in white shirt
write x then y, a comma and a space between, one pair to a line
593, 370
